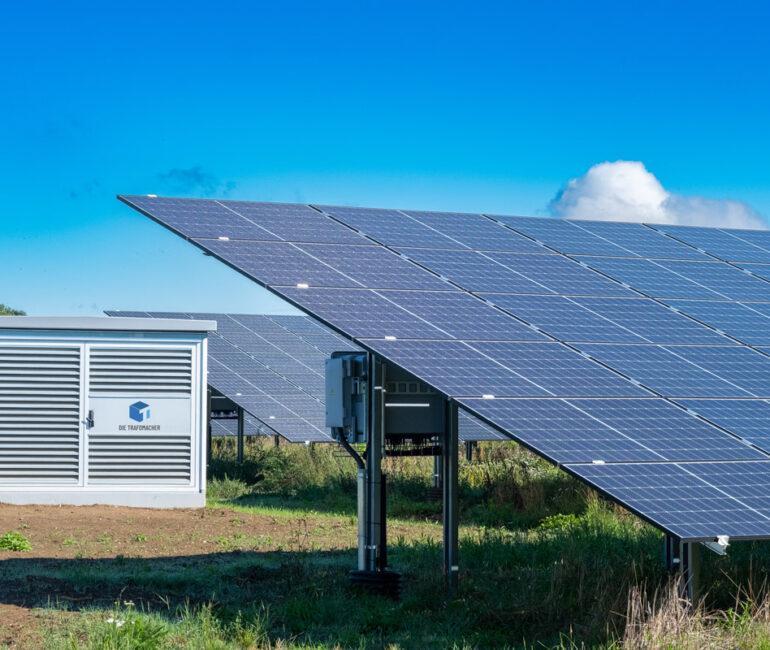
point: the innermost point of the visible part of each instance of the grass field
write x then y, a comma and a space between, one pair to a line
544, 564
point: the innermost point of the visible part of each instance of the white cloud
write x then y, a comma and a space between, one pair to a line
626, 191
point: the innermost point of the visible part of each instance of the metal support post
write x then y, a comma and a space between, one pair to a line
374, 454
276, 440
689, 554
450, 511
671, 551
241, 425
438, 470
470, 445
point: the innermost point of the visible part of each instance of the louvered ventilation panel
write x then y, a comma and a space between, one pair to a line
147, 371
39, 414
140, 457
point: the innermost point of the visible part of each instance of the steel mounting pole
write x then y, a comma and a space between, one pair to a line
374, 453
241, 426
449, 460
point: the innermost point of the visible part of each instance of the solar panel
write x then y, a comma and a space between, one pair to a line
668, 430
561, 432
295, 222
560, 371
560, 275
363, 314
641, 240
391, 227
210, 220
473, 271
679, 498
759, 270
760, 238
662, 371
649, 278
375, 267
563, 236
278, 264
743, 366
422, 339
563, 318
723, 279
717, 243
477, 232
463, 316
653, 321
455, 368
748, 482
734, 319
747, 418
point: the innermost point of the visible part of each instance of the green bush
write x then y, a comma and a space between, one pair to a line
14, 541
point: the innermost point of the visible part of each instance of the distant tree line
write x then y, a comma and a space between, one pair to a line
5, 310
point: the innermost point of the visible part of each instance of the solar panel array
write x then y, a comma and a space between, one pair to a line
273, 367
614, 350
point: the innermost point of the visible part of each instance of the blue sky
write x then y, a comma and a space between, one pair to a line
477, 106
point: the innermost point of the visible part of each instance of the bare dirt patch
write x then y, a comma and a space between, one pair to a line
105, 531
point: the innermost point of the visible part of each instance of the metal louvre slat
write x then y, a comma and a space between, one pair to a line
158, 371
39, 414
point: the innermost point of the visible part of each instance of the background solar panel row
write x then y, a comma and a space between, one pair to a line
286, 357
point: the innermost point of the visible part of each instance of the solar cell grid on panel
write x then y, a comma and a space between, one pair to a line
559, 370
748, 482
667, 430
743, 366
455, 369
759, 270
473, 271
560, 431
759, 238
295, 222
391, 227
655, 322
641, 240
201, 218
649, 278
463, 316
717, 243
363, 313
563, 236
477, 232
278, 264
662, 371
471, 428
747, 418
724, 279
673, 498
560, 275
376, 267
735, 319
562, 318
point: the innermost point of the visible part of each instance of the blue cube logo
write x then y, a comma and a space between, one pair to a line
139, 411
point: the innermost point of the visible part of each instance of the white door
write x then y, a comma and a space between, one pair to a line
140, 420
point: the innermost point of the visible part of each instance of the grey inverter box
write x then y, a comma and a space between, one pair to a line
103, 411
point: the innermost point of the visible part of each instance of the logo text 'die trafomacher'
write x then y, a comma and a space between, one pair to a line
138, 427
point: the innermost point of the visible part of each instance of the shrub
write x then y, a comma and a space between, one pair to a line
14, 541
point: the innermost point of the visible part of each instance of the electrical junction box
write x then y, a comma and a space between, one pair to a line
412, 409
347, 387
103, 411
